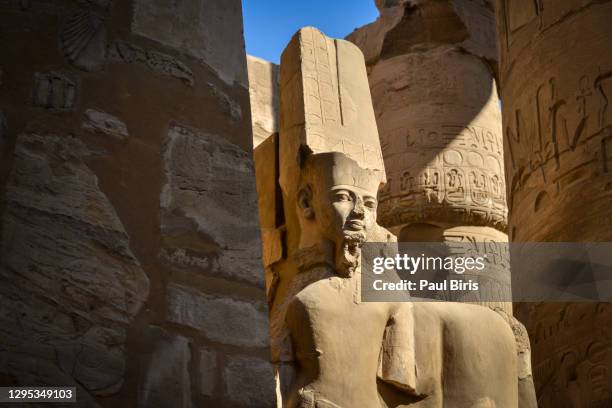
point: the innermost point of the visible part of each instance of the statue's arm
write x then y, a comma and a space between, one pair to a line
397, 365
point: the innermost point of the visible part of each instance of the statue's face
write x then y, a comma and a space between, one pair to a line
337, 204
344, 211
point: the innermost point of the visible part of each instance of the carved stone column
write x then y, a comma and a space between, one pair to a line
431, 70
129, 241
556, 77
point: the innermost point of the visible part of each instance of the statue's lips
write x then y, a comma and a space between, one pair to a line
355, 225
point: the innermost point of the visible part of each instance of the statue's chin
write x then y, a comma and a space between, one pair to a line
348, 253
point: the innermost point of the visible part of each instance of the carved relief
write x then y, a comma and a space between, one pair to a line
558, 137
468, 176
454, 150
163, 64
54, 91
324, 101
99, 121
83, 40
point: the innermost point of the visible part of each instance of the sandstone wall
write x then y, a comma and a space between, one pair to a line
263, 91
556, 77
431, 68
129, 241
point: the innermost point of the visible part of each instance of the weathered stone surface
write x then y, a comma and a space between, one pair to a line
221, 319
229, 106
208, 370
32, 363
406, 26
83, 40
263, 92
249, 382
54, 91
71, 282
269, 196
209, 190
98, 121
163, 64
204, 29
556, 76
166, 381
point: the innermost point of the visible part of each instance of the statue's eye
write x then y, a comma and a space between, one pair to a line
370, 203
342, 196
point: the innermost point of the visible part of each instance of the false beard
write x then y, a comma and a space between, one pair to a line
348, 253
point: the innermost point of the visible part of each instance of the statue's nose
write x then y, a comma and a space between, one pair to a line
359, 208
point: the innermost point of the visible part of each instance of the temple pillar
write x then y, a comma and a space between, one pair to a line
431, 68
129, 239
556, 82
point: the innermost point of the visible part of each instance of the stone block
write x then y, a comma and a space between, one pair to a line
98, 121
271, 215
209, 190
249, 382
165, 378
162, 64
229, 106
208, 371
220, 319
203, 29
263, 93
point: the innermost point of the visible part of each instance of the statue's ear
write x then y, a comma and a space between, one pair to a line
304, 201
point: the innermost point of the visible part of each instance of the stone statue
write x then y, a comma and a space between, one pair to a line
318, 181
430, 354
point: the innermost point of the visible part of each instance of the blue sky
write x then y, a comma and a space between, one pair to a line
270, 24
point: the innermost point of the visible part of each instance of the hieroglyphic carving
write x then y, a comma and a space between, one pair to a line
441, 140
337, 117
556, 70
575, 369
453, 170
54, 91
558, 136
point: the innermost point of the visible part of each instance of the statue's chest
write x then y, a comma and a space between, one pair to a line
327, 315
